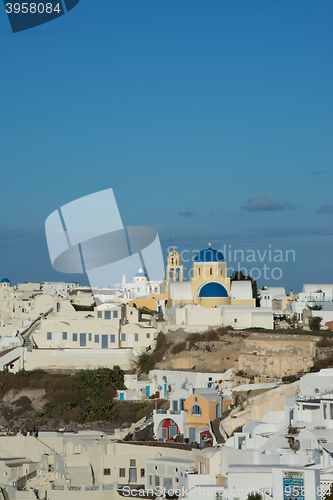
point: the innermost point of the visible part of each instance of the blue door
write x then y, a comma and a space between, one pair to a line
147, 391
121, 396
83, 340
104, 342
191, 434
165, 390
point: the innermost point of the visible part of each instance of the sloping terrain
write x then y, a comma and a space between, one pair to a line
254, 353
54, 400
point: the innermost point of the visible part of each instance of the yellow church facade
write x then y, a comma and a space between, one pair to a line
209, 286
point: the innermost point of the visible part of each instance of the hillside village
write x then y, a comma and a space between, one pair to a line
178, 389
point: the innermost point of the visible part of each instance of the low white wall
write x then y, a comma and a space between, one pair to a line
78, 358
165, 328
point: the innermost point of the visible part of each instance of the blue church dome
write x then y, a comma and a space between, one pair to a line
141, 274
209, 255
5, 280
213, 289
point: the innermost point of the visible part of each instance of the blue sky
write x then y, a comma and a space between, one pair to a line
211, 120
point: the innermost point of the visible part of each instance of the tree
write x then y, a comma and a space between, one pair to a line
294, 444
239, 276
292, 320
314, 323
315, 307
329, 494
255, 495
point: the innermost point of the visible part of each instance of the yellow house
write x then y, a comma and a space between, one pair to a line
201, 409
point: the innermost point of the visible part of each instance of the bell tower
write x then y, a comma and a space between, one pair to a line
174, 267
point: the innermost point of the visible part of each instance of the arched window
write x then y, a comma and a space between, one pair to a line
196, 410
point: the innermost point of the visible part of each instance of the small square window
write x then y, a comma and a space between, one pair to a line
64, 335
115, 314
132, 462
121, 472
107, 472
123, 337
99, 314
96, 339
113, 339
195, 399
136, 337
49, 335
148, 335
74, 337
107, 315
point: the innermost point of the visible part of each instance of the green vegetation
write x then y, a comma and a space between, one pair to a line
329, 494
146, 310
314, 323
239, 428
290, 331
147, 361
292, 320
255, 329
315, 307
84, 397
254, 496
93, 382
294, 444
177, 348
79, 307
293, 430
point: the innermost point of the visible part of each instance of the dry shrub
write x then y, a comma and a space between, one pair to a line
125, 411
22, 401
177, 348
209, 336
147, 362
192, 338
324, 342
23, 405
322, 363
7, 413
223, 330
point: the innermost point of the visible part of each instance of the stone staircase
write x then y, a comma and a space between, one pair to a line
215, 425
